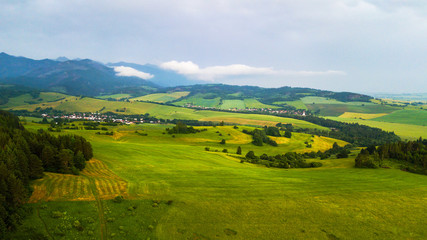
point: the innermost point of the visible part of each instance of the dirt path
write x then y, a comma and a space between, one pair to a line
102, 224
44, 224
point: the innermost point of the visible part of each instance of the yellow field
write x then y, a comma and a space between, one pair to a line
96, 175
361, 115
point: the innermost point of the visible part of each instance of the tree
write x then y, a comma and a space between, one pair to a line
48, 158
222, 141
239, 150
342, 154
79, 161
64, 160
250, 155
36, 167
288, 134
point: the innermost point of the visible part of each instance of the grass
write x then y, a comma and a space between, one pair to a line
198, 100
416, 117
27, 99
233, 104
405, 131
298, 104
214, 196
253, 103
161, 97
74, 104
115, 96
319, 100
355, 107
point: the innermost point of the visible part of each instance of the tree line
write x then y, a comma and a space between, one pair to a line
24, 156
412, 155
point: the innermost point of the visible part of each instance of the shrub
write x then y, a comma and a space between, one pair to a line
118, 199
224, 150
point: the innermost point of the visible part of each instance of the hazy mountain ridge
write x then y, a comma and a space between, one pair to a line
91, 78
75, 77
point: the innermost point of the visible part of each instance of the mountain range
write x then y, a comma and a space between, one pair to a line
91, 78
81, 76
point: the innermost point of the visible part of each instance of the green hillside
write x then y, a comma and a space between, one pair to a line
174, 189
416, 117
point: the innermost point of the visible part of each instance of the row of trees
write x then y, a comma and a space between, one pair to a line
182, 128
358, 135
24, 156
288, 160
412, 155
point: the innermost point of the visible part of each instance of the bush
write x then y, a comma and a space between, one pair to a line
118, 199
224, 150
222, 141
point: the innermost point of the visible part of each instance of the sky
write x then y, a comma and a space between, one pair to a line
362, 46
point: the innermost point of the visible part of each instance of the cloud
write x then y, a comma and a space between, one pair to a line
211, 73
131, 72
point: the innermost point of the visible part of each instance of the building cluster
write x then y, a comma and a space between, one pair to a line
98, 117
254, 110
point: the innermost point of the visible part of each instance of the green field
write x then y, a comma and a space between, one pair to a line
177, 190
74, 104
338, 109
298, 104
233, 104
198, 100
416, 117
319, 100
115, 96
405, 131
253, 103
161, 97
332, 107
26, 99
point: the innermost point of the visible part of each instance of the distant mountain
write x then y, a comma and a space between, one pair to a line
162, 77
76, 77
62, 59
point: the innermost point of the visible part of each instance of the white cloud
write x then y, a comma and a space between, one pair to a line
211, 73
131, 72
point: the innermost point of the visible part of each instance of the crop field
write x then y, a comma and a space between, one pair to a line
405, 131
115, 96
198, 100
362, 115
55, 186
231, 104
177, 190
298, 104
253, 103
320, 100
339, 109
161, 97
415, 117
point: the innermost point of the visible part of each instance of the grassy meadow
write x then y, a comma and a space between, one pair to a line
405, 131
174, 189
161, 97
415, 117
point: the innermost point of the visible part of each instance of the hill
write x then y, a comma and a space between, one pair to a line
76, 77
221, 96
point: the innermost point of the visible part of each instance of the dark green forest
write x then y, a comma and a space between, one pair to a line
24, 156
411, 154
